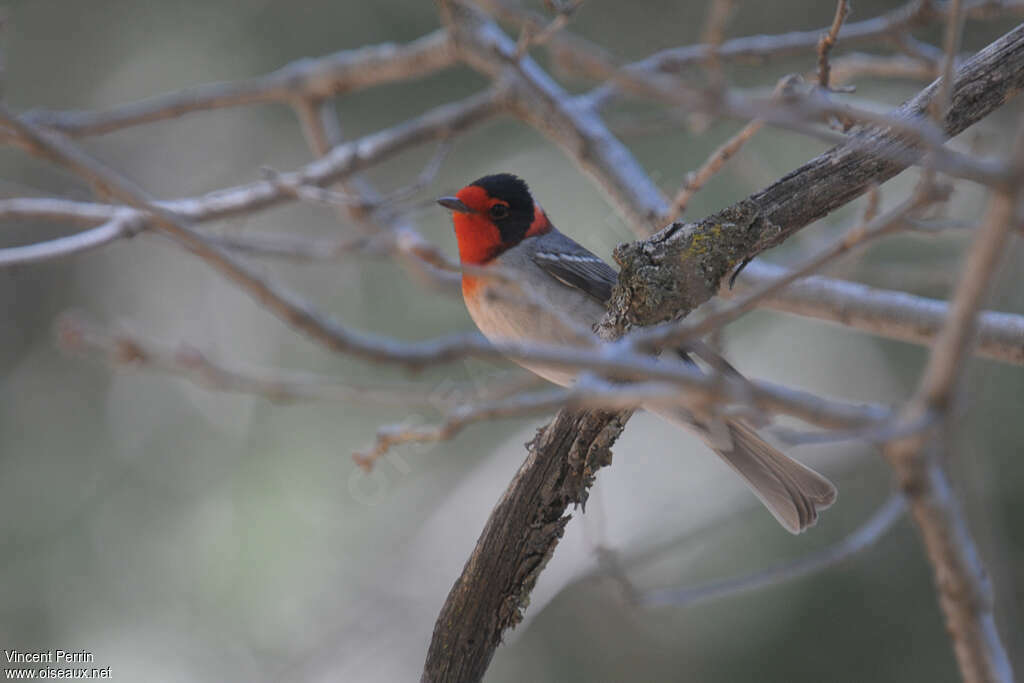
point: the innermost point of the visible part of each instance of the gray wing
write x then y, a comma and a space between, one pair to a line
572, 264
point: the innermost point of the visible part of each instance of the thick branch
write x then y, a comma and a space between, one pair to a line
520, 536
684, 265
480, 606
525, 527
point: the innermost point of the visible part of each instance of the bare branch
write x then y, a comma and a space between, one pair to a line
674, 271
532, 33
828, 41
965, 593
697, 179
564, 457
673, 334
308, 78
593, 393
954, 29
365, 205
852, 66
866, 535
122, 224
538, 100
382, 349
460, 417
339, 163
133, 351
502, 570
713, 35
799, 113
886, 313
288, 307
957, 333
756, 49
517, 542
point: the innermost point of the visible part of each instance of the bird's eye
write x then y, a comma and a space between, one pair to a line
499, 211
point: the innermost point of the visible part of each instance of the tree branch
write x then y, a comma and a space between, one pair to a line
755, 49
876, 526
334, 74
883, 312
503, 567
537, 99
681, 267
663, 277
121, 224
517, 542
965, 593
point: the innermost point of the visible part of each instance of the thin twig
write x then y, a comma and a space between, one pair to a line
951, 47
542, 402
695, 180
799, 113
713, 35
828, 41
534, 33
866, 535
125, 224
124, 349
534, 97
344, 71
339, 163
756, 49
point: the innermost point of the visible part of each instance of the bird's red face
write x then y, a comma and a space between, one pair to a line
493, 214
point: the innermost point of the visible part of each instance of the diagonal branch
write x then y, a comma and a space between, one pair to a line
538, 100
681, 267
340, 163
517, 542
524, 528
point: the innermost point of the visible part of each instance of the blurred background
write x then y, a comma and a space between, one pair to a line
183, 534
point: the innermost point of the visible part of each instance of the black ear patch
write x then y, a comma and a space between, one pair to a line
513, 191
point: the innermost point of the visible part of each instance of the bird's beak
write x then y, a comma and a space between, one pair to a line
454, 204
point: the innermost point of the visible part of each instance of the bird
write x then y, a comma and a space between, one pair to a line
549, 289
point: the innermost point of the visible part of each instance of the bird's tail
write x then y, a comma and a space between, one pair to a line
792, 492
